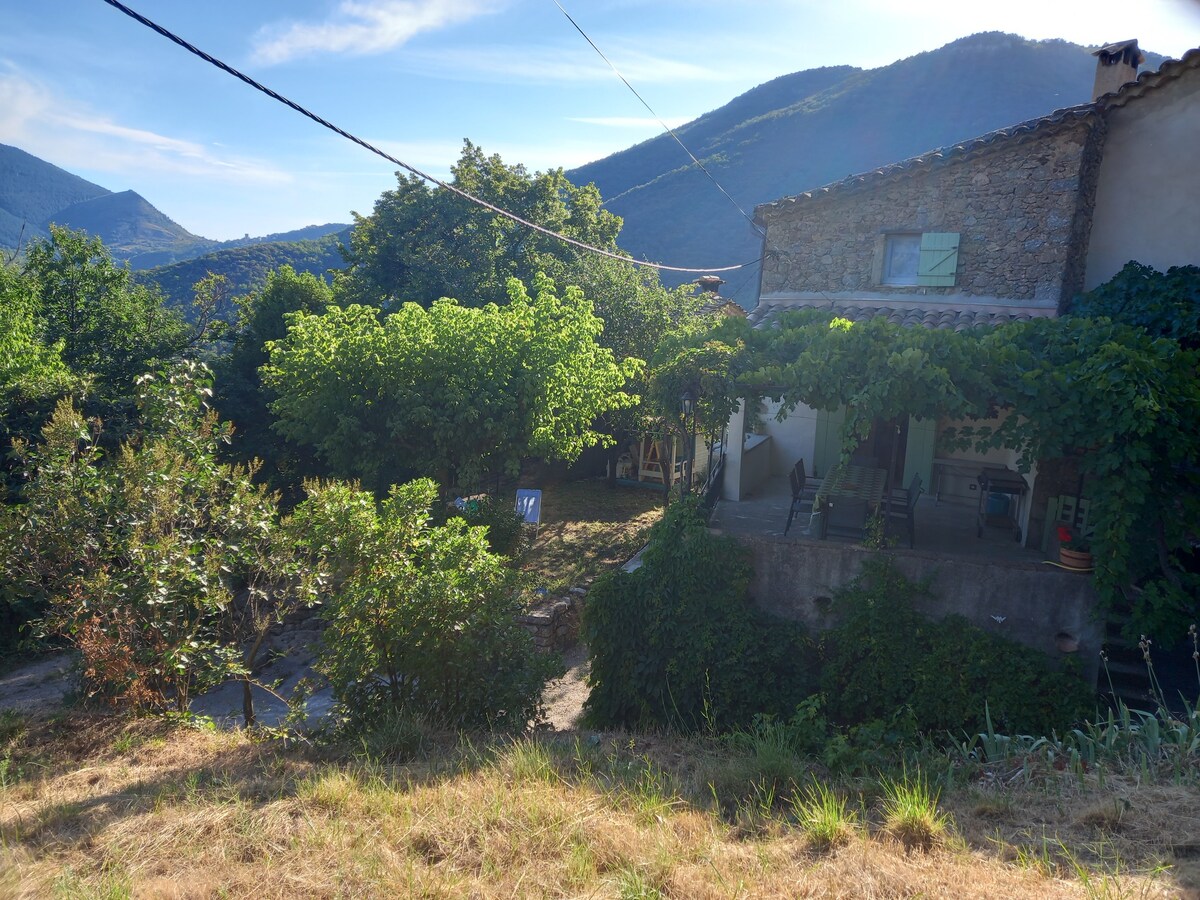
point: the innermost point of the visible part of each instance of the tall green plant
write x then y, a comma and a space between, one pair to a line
421, 618
153, 563
886, 656
677, 642
450, 391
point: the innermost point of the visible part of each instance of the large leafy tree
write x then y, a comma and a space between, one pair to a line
29, 368
451, 392
423, 243
110, 328
241, 397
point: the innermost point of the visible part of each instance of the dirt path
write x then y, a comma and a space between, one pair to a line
564, 697
40, 686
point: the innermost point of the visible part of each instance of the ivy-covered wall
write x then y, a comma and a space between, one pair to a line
1021, 205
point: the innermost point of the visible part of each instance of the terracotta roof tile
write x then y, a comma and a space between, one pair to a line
956, 319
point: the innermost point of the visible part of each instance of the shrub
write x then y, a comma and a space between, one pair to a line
139, 559
506, 532
421, 618
886, 656
676, 642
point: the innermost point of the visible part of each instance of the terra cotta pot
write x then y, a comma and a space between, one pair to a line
1075, 559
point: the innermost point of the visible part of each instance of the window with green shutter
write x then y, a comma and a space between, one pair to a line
939, 259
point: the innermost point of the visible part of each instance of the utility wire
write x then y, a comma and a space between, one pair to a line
225, 67
667, 128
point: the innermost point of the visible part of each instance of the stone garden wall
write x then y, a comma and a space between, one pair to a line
554, 622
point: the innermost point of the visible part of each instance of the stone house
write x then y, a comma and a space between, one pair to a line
1004, 227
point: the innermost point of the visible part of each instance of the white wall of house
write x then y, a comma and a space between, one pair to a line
1149, 181
792, 439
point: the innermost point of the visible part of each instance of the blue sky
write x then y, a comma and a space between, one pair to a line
90, 90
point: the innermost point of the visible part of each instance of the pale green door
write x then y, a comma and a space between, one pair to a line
828, 449
918, 452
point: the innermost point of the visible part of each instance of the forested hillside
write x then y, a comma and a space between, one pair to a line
246, 267
811, 128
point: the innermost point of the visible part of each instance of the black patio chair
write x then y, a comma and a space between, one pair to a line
901, 495
846, 517
802, 495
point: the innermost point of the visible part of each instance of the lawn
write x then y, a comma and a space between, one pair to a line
588, 528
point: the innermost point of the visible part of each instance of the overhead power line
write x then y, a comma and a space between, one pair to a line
667, 128
258, 86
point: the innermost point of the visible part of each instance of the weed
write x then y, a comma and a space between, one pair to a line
634, 884
396, 735
823, 816
527, 759
910, 810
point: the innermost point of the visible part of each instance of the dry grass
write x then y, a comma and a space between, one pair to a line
587, 528
95, 807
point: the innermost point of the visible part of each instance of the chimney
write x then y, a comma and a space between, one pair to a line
1116, 66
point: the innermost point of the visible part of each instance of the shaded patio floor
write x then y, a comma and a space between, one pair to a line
946, 528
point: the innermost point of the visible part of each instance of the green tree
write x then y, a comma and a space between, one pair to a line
450, 391
241, 397
424, 243
110, 328
421, 618
160, 564
30, 369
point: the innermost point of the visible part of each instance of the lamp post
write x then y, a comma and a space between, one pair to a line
687, 405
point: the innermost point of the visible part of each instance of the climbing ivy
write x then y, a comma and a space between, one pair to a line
1121, 398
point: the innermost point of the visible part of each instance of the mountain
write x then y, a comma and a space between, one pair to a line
35, 193
245, 266
132, 229
31, 191
818, 126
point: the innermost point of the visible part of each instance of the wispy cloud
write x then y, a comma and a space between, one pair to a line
555, 65
365, 27
45, 124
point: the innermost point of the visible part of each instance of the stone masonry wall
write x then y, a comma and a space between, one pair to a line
1019, 206
554, 622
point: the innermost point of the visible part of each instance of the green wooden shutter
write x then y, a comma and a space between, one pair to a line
827, 449
939, 259
918, 452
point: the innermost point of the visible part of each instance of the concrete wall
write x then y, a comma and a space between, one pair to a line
1020, 205
1149, 181
756, 463
1040, 606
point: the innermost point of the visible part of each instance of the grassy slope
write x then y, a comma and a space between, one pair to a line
104, 807
94, 806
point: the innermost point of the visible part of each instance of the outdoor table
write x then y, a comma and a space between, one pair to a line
862, 483
1000, 481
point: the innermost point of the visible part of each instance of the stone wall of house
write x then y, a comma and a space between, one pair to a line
554, 621
1021, 207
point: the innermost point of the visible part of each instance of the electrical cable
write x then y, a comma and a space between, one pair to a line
296, 107
669, 130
